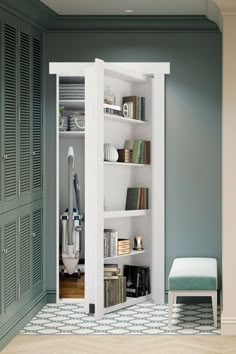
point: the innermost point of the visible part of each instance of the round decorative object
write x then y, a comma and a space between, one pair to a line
77, 121
110, 153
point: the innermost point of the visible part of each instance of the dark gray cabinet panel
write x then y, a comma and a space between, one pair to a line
9, 256
25, 114
21, 117
37, 247
10, 264
21, 258
25, 254
10, 109
37, 115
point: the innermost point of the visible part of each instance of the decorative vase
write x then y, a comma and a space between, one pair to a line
110, 153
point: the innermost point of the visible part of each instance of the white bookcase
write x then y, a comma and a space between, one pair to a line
106, 183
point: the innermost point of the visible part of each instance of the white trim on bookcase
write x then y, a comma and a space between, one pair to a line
158, 72
57, 189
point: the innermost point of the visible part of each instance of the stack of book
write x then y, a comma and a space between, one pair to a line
125, 155
110, 242
111, 271
136, 107
123, 246
114, 286
140, 150
112, 109
137, 198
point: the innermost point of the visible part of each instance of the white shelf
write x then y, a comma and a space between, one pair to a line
132, 253
75, 134
129, 302
126, 164
123, 119
125, 213
72, 104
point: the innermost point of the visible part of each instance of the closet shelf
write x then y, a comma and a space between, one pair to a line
132, 253
75, 134
126, 213
72, 104
124, 120
126, 164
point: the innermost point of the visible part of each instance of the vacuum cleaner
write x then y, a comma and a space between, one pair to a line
71, 224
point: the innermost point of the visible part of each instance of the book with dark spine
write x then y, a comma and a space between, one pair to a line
132, 199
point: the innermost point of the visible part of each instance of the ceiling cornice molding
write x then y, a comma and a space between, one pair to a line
132, 23
35, 12
226, 7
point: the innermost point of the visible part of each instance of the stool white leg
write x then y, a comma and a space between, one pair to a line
170, 306
214, 307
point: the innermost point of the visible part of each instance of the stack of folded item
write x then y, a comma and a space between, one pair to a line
71, 92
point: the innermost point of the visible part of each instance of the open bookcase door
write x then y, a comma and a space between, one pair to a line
94, 178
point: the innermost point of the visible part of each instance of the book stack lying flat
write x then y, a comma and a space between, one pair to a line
123, 246
111, 271
125, 155
140, 150
110, 242
136, 107
137, 198
112, 109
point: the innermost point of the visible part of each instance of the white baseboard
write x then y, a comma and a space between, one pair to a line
228, 326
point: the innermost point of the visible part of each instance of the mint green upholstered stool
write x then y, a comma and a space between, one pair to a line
193, 277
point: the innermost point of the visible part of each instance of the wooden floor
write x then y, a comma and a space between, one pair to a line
121, 344
72, 288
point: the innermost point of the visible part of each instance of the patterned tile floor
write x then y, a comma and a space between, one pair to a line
145, 318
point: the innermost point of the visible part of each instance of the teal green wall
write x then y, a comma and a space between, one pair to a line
193, 130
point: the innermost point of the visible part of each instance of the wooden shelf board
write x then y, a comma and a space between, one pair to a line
123, 119
126, 164
125, 213
77, 134
129, 302
132, 253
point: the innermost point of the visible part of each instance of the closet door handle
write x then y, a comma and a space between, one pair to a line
5, 157
33, 153
33, 234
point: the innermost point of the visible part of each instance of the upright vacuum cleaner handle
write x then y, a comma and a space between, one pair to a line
77, 191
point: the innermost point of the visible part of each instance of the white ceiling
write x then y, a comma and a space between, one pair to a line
117, 7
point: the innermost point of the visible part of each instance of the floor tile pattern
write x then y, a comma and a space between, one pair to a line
143, 319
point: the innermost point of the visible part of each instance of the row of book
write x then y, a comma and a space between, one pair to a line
135, 282
140, 151
114, 285
114, 291
135, 107
114, 246
137, 198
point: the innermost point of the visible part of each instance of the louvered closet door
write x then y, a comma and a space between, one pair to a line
25, 255
25, 114
37, 115
37, 275
10, 116
1, 273
1, 113
10, 259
